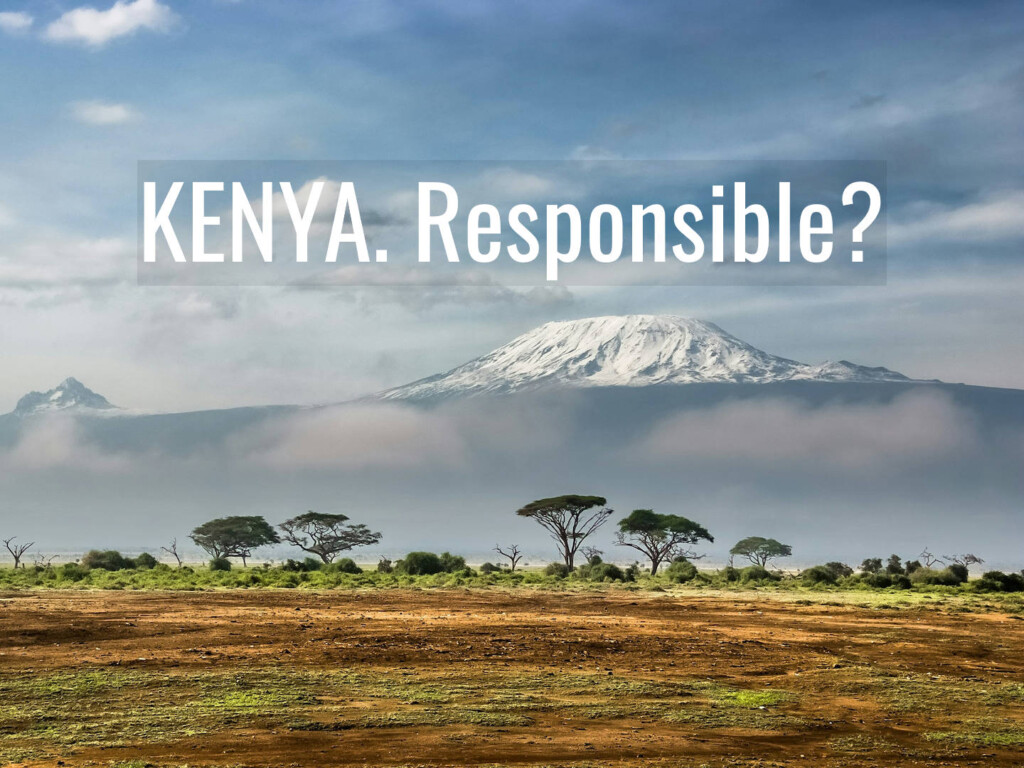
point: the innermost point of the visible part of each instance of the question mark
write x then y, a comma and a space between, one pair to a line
869, 218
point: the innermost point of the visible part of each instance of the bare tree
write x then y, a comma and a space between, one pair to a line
591, 552
17, 550
512, 553
929, 559
173, 551
43, 561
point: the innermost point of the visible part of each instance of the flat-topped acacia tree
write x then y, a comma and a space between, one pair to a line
660, 537
234, 536
569, 519
761, 551
326, 535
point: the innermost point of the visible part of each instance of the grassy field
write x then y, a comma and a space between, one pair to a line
600, 675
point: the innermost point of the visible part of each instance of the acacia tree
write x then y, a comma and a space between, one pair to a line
569, 519
761, 551
512, 553
326, 535
234, 536
17, 550
660, 537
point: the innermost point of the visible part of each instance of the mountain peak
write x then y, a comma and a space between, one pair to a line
70, 394
627, 351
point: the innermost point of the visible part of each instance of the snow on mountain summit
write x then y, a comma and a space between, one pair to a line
70, 394
627, 351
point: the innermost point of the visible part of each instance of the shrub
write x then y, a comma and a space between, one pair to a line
71, 572
220, 564
489, 568
997, 581
345, 565
959, 572
876, 580
600, 571
839, 570
302, 566
819, 574
911, 566
947, 577
901, 581
107, 560
145, 561
681, 571
451, 563
558, 570
419, 564
756, 573
385, 566
730, 574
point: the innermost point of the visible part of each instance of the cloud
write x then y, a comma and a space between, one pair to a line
354, 437
55, 442
995, 217
96, 28
102, 113
916, 428
15, 21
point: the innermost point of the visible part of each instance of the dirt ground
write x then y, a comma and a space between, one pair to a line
488, 677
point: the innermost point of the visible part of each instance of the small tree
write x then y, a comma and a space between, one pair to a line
871, 565
569, 519
894, 566
761, 551
17, 550
512, 553
326, 535
660, 537
234, 536
172, 550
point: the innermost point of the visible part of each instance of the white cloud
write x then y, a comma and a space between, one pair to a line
96, 28
993, 218
15, 21
102, 113
56, 442
918, 427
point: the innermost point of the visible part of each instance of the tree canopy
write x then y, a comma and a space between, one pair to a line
234, 536
660, 537
761, 551
569, 519
326, 535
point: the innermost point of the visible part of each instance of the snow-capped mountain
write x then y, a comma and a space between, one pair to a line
627, 351
69, 395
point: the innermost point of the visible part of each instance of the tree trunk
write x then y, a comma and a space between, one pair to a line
655, 562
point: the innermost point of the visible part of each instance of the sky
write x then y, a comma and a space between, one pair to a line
934, 90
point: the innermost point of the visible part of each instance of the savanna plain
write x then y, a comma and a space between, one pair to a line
491, 676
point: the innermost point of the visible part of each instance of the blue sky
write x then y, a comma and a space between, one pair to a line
935, 90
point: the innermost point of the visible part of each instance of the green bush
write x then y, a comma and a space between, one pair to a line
600, 571
819, 574
345, 565
107, 560
220, 564
947, 577
839, 570
452, 563
71, 572
489, 568
997, 581
419, 564
755, 573
385, 566
681, 571
558, 570
145, 561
